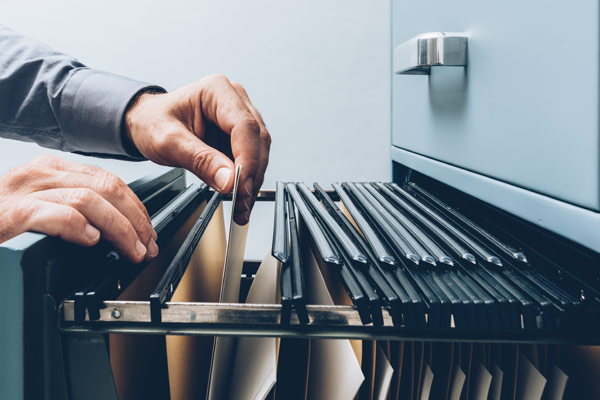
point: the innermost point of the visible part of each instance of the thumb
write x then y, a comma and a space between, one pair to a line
206, 162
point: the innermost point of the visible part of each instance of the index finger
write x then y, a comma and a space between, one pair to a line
222, 105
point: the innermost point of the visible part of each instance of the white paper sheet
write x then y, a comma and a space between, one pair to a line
557, 383
383, 375
480, 382
255, 362
496, 385
334, 373
530, 382
427, 382
457, 383
224, 348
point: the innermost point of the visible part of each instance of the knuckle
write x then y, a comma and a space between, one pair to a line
259, 178
239, 88
252, 124
142, 226
125, 228
266, 137
23, 211
109, 185
201, 160
46, 159
81, 197
72, 219
217, 78
109, 219
24, 175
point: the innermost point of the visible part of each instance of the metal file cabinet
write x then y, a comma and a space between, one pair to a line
518, 125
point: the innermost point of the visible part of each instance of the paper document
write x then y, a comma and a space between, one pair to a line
139, 362
457, 383
189, 356
480, 382
335, 372
224, 347
530, 382
426, 383
557, 383
496, 385
255, 361
383, 376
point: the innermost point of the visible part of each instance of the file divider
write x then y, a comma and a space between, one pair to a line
170, 280
280, 246
298, 297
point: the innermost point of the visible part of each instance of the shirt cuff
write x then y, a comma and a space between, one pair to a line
92, 112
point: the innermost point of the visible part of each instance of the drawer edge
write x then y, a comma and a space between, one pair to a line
575, 223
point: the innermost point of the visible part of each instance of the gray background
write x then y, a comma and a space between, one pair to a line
318, 71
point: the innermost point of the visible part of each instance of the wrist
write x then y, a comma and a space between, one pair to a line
131, 116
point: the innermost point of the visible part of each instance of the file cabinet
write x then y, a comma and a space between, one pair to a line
518, 126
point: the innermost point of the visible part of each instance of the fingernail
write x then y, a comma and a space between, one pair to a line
92, 233
140, 249
152, 248
222, 177
249, 185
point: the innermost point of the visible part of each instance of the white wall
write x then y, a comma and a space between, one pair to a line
317, 70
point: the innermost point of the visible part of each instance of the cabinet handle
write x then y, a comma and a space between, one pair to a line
417, 55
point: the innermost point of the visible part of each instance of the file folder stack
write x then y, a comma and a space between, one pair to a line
429, 265
370, 291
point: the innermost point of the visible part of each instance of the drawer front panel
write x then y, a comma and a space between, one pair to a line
524, 111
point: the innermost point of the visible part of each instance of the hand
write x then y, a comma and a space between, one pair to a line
76, 202
202, 127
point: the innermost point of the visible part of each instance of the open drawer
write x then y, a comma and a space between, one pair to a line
413, 267
391, 263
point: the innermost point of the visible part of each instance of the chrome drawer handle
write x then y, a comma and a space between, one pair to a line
417, 55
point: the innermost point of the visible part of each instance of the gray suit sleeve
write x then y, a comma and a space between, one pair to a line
53, 100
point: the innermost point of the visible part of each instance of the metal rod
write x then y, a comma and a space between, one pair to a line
332, 322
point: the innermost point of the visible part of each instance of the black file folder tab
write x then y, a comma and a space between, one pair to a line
287, 295
325, 250
377, 244
281, 250
433, 253
344, 241
450, 228
280, 246
296, 267
434, 231
172, 276
459, 219
396, 237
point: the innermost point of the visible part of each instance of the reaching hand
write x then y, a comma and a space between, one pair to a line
202, 127
76, 202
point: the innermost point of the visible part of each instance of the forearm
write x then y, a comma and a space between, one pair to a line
54, 100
